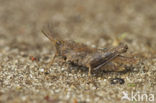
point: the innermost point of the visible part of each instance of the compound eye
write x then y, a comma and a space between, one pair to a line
58, 42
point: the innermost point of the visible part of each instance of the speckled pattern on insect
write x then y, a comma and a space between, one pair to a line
81, 54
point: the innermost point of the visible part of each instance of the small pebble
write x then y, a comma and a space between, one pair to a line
117, 81
42, 70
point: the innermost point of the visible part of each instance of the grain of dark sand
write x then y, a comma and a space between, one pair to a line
25, 51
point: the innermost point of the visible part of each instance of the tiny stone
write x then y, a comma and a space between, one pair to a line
117, 81
42, 70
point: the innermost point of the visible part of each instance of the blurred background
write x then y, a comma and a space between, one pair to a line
103, 20
98, 23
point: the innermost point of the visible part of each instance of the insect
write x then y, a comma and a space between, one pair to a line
81, 54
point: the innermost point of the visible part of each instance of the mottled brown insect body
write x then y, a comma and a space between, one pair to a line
81, 54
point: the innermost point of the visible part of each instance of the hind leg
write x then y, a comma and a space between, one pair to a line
89, 70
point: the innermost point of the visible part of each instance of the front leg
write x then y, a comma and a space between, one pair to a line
52, 60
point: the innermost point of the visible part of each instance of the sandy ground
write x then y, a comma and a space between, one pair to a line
25, 51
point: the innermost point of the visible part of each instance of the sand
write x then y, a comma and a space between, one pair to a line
25, 52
